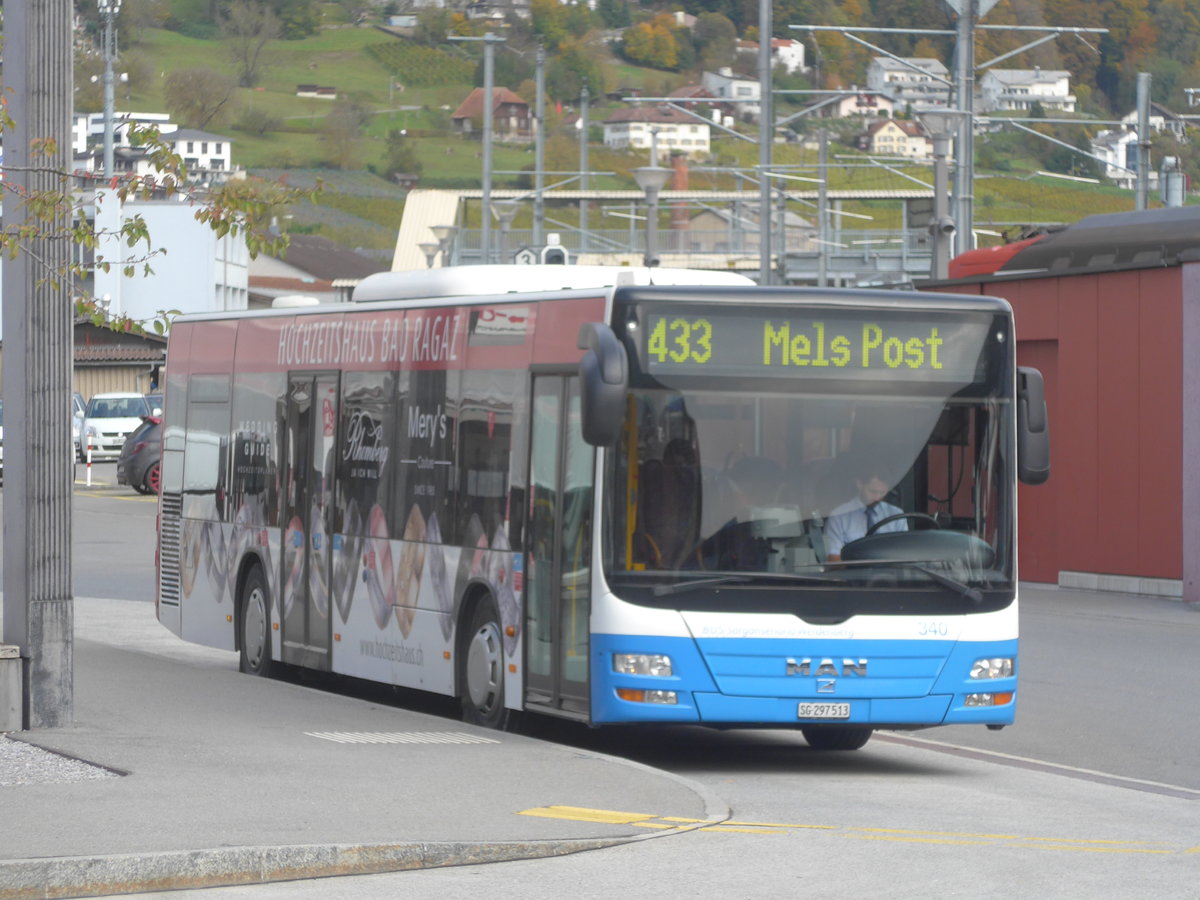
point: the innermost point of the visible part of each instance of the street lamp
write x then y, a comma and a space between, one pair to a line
940, 125
430, 249
109, 10
445, 236
651, 179
504, 211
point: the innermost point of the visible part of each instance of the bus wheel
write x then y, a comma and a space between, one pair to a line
255, 624
836, 737
482, 676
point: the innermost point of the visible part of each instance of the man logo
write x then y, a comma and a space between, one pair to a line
826, 667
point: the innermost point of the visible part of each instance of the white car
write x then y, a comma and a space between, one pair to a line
109, 420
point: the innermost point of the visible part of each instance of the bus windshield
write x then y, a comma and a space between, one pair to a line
845, 489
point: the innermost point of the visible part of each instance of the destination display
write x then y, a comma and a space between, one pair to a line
815, 343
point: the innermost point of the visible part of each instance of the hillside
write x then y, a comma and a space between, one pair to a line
395, 94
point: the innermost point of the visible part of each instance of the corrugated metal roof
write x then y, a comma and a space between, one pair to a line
422, 210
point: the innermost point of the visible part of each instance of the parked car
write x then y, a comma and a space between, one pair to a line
139, 464
109, 420
78, 410
156, 404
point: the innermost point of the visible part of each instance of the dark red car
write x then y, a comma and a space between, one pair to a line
140, 462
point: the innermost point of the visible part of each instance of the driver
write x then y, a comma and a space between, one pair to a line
852, 519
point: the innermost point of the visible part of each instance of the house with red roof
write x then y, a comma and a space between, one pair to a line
512, 119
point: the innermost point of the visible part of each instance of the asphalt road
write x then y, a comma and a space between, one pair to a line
1092, 793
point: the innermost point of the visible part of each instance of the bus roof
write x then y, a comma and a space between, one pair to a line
465, 281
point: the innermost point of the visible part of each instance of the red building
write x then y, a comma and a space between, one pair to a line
1106, 309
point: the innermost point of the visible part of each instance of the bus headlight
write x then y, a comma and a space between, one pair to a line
1002, 699
634, 695
1000, 667
642, 664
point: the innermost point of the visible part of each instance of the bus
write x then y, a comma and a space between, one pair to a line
608, 495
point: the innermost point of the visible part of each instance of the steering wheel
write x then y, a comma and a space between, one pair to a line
909, 515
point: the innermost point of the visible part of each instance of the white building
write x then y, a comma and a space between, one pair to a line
860, 104
918, 82
786, 53
206, 156
674, 131
87, 129
745, 91
1017, 90
1117, 149
1160, 119
200, 272
201, 151
897, 137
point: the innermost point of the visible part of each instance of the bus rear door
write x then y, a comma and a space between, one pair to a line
309, 439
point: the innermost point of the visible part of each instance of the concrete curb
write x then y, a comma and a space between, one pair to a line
132, 873
95, 876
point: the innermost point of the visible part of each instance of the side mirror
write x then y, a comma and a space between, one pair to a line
1033, 428
603, 380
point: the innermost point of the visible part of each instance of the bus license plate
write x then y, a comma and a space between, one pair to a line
824, 711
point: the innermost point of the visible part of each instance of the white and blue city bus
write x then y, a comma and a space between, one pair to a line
610, 495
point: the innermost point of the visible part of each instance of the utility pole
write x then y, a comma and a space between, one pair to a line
823, 236
765, 137
1143, 142
969, 12
584, 97
38, 604
489, 101
109, 10
539, 156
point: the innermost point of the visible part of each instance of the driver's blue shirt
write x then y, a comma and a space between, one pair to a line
848, 522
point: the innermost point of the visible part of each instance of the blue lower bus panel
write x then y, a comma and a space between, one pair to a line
787, 681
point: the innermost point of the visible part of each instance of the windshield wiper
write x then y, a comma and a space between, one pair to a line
972, 594
664, 589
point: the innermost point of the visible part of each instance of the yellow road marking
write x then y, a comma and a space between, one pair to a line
743, 830
912, 840
900, 835
581, 814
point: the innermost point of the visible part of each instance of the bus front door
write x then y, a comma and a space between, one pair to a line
558, 553
309, 437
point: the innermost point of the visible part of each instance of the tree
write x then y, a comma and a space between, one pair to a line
653, 43
297, 18
716, 40
400, 157
249, 27
574, 66
614, 13
549, 21
343, 133
197, 96
433, 26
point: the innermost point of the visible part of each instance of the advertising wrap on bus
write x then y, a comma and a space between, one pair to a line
791, 507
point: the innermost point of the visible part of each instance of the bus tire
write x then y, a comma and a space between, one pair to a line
837, 737
254, 624
482, 674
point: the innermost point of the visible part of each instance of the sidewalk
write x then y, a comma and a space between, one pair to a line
219, 778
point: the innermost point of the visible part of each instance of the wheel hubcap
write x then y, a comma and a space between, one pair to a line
484, 667
254, 630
